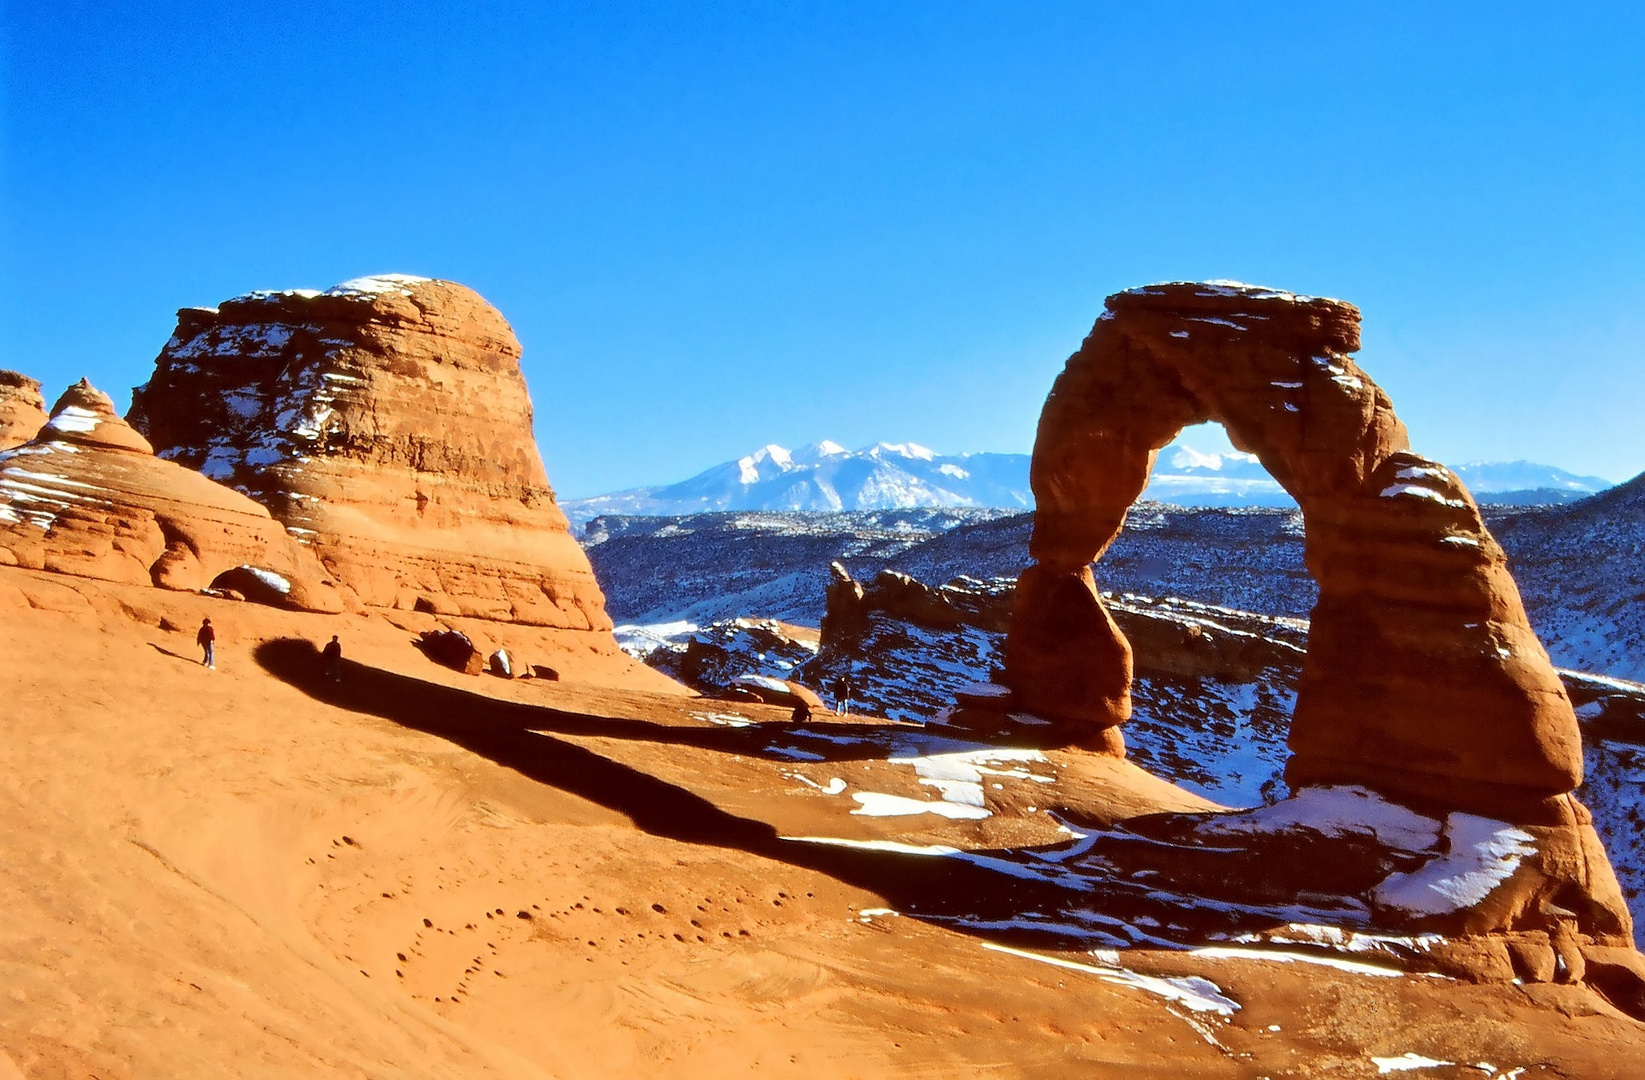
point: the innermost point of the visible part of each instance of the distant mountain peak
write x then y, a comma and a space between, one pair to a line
826, 477
913, 451
816, 451
1186, 457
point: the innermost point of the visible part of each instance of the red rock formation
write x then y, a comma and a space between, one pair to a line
386, 422
87, 496
22, 409
1423, 679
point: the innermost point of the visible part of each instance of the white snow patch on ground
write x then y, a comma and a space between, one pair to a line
877, 804
723, 719
835, 786
640, 639
893, 846
1406, 1062
1483, 854
219, 464
1352, 941
1337, 811
263, 455
1234, 952
1193, 992
958, 775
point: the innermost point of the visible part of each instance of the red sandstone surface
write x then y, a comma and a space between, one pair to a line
22, 409
407, 868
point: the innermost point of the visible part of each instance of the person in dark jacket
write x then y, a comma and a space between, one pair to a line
332, 654
206, 638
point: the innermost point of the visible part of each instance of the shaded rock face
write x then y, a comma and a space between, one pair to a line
1423, 679
22, 409
386, 422
87, 496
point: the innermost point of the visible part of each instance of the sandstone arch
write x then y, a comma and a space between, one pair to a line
1423, 677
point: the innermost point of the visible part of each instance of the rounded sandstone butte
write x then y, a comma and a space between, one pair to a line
22, 409
387, 423
1423, 679
88, 497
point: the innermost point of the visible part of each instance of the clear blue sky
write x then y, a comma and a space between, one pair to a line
717, 226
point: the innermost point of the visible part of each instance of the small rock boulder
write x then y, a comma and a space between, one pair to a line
452, 649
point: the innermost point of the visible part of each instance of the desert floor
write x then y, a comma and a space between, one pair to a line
254, 872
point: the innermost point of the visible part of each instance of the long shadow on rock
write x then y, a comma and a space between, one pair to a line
1074, 894
512, 735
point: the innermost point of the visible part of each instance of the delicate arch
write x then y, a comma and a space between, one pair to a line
1423, 677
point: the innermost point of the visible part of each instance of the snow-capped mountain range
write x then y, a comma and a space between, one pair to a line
826, 476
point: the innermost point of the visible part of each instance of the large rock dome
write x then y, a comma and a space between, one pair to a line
386, 422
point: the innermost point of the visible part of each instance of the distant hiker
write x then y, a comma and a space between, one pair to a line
332, 654
206, 638
801, 713
842, 698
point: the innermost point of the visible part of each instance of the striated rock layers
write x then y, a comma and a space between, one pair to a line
1423, 679
386, 422
87, 496
22, 409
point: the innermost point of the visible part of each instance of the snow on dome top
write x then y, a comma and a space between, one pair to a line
1228, 287
354, 288
376, 285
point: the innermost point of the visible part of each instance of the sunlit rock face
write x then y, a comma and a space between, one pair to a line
1423, 680
386, 422
22, 409
87, 496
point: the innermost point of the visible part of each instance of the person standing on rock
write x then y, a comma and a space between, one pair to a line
332, 654
206, 638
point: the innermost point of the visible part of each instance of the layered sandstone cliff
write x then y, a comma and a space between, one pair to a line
88, 497
22, 409
386, 422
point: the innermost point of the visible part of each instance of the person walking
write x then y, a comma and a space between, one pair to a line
332, 654
206, 638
